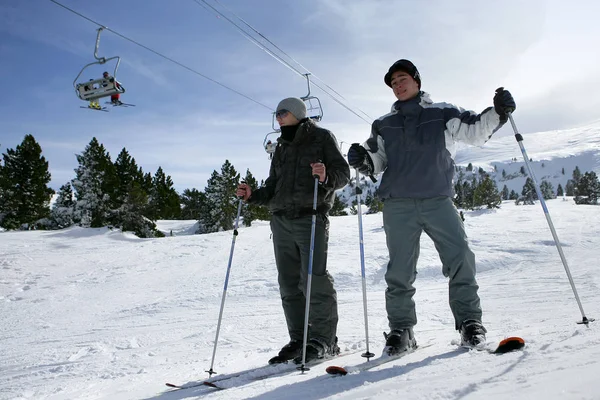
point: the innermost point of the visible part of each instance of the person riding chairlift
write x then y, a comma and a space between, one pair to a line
114, 99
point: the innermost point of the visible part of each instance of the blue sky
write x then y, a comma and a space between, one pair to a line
543, 51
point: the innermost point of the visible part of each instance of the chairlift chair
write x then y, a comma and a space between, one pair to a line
98, 88
270, 141
313, 104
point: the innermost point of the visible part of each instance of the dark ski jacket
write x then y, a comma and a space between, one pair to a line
414, 145
289, 189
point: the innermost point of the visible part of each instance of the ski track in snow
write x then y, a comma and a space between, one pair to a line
96, 314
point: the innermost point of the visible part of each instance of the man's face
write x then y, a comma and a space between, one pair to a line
404, 86
285, 118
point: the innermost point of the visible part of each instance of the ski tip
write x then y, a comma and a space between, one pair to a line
207, 383
510, 344
335, 370
172, 385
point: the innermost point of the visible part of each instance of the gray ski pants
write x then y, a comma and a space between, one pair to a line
291, 241
404, 219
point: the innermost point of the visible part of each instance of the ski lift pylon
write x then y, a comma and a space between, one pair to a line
98, 88
313, 104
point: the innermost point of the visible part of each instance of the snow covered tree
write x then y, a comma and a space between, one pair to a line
131, 213
486, 194
528, 194
559, 191
222, 202
588, 189
547, 190
96, 187
513, 195
61, 215
132, 198
24, 192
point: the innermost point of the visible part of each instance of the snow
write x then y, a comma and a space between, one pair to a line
100, 314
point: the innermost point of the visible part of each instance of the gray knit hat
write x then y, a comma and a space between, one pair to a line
294, 105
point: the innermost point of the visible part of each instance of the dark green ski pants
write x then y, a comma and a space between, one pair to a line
291, 241
404, 220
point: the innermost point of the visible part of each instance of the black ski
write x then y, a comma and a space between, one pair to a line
120, 104
257, 374
383, 359
95, 109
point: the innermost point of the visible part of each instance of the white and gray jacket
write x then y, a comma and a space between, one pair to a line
414, 145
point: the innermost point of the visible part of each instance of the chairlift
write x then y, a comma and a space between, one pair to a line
313, 104
95, 89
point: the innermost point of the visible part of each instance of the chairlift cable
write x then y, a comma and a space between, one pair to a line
248, 36
289, 56
278, 58
161, 55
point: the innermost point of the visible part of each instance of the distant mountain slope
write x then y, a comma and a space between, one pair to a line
554, 155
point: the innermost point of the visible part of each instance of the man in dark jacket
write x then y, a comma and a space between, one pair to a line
413, 146
304, 150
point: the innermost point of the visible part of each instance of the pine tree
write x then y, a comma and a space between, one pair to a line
513, 195
164, 200
570, 188
547, 190
127, 173
131, 213
522, 170
24, 177
459, 194
529, 194
222, 202
338, 208
487, 194
576, 176
132, 198
588, 189
470, 167
375, 205
505, 194
262, 213
559, 191
96, 187
248, 210
192, 201
61, 215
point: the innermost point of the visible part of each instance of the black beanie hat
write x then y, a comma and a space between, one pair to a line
403, 65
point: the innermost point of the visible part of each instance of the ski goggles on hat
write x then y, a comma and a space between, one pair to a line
281, 113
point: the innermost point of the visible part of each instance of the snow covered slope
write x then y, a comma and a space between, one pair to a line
95, 314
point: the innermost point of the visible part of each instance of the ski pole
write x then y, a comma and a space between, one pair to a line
309, 275
235, 233
519, 139
366, 354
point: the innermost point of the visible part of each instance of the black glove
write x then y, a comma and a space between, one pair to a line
504, 103
359, 158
